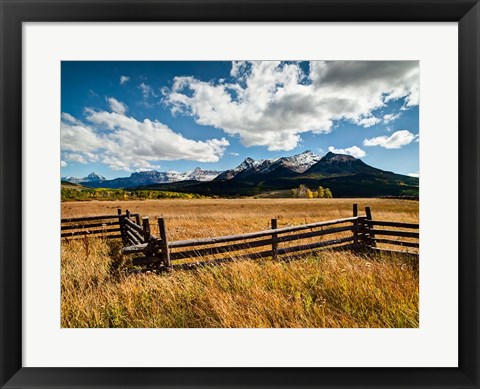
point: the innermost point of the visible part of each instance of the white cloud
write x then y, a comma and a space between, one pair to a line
372, 82
390, 117
414, 174
63, 164
271, 103
237, 67
147, 90
124, 79
124, 143
117, 106
354, 151
367, 121
234, 154
77, 137
69, 118
74, 157
394, 141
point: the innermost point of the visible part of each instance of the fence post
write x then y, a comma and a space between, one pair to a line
122, 225
127, 212
146, 228
164, 245
137, 219
355, 226
369, 228
274, 240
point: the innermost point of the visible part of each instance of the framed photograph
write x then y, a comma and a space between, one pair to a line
240, 193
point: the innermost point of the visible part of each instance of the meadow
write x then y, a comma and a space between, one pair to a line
322, 289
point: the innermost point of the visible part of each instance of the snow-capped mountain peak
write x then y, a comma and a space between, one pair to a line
199, 174
301, 162
248, 163
92, 177
296, 163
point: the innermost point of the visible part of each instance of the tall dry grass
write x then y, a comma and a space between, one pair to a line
324, 289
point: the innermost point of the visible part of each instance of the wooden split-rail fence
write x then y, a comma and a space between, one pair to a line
105, 226
359, 232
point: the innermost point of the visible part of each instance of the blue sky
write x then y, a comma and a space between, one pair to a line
120, 117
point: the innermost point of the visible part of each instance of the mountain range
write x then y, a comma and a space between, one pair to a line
296, 164
95, 180
345, 175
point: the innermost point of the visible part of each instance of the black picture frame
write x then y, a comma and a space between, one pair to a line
15, 12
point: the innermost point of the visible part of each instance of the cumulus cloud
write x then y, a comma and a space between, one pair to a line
373, 83
124, 143
77, 137
124, 79
234, 154
63, 164
271, 103
395, 141
354, 151
117, 106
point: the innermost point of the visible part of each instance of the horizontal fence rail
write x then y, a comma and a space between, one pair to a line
92, 225
88, 218
405, 234
103, 231
398, 242
381, 232
360, 233
252, 235
391, 224
104, 226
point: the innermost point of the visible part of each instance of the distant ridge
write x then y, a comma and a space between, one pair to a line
143, 178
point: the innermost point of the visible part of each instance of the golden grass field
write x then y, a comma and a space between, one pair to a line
323, 289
